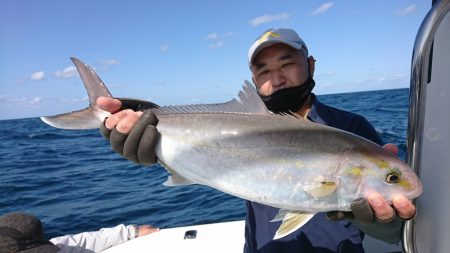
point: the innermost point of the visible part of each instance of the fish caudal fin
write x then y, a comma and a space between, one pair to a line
291, 222
93, 84
90, 117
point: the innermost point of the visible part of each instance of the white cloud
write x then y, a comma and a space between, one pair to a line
160, 83
36, 76
217, 39
21, 80
68, 72
110, 62
322, 8
407, 10
383, 79
74, 100
212, 36
269, 18
216, 36
35, 100
105, 64
217, 44
164, 47
24, 101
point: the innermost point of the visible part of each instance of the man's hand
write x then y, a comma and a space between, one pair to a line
376, 208
132, 133
146, 229
383, 212
401, 205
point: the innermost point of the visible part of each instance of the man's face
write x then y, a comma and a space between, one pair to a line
277, 67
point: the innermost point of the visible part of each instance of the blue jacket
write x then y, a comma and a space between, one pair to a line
319, 234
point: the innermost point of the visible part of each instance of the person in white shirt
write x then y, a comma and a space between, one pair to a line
21, 232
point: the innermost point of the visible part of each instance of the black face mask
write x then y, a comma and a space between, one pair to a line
289, 99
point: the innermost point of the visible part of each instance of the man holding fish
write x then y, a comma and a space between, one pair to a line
282, 71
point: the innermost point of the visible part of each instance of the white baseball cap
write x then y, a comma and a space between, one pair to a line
274, 36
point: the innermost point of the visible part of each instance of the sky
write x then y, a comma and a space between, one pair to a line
187, 52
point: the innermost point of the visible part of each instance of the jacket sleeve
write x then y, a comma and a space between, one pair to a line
95, 241
362, 127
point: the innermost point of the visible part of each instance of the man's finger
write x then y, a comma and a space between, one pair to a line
381, 209
136, 136
404, 208
105, 131
111, 105
146, 152
114, 119
146, 229
127, 123
117, 140
391, 147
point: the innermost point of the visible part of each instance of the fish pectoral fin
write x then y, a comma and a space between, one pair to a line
322, 189
177, 180
291, 222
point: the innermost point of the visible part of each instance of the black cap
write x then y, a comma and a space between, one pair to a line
20, 232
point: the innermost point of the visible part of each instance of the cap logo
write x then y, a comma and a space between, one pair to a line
267, 36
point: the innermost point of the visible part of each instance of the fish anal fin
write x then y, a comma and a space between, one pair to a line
177, 180
291, 222
280, 215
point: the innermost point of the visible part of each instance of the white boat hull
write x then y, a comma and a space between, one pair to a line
217, 237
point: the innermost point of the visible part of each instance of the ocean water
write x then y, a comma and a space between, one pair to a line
74, 182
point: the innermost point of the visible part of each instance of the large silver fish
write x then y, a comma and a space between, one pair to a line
240, 148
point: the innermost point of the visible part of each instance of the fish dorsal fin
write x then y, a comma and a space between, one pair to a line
248, 102
291, 115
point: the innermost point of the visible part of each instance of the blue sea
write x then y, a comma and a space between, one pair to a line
74, 182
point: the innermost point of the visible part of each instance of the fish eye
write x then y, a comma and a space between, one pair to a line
393, 177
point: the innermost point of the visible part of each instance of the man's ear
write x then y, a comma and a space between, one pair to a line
312, 65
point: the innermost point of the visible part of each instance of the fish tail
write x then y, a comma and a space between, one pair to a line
90, 117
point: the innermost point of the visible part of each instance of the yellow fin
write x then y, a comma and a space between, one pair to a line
325, 188
292, 222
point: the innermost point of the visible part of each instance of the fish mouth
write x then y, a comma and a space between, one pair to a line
414, 188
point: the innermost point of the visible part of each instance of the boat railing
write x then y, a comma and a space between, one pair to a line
420, 77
